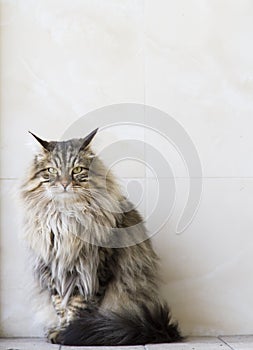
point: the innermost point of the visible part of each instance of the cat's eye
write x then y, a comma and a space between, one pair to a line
52, 170
77, 170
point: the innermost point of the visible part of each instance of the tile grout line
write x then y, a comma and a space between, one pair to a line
230, 347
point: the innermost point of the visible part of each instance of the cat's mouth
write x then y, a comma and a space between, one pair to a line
62, 192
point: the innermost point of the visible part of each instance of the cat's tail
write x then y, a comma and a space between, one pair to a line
109, 328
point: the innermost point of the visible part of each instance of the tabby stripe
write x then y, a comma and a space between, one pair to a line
57, 161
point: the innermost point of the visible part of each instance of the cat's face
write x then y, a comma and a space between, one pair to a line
62, 169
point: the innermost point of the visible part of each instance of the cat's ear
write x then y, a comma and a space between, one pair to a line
48, 146
87, 140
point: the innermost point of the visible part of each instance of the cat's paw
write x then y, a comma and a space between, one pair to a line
53, 335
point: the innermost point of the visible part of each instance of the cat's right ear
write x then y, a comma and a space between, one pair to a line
45, 144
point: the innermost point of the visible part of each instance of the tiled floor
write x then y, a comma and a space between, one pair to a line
193, 343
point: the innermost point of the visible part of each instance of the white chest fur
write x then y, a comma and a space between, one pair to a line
57, 237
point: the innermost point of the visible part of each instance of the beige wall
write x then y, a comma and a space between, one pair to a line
192, 59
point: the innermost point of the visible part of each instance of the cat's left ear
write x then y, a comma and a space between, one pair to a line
87, 140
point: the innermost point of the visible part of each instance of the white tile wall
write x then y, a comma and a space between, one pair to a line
191, 59
17, 315
61, 60
199, 69
207, 269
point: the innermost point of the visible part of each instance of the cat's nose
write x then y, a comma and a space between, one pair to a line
65, 184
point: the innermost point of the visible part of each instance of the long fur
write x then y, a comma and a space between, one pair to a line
90, 251
108, 328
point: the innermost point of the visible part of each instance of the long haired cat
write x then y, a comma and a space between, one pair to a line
90, 251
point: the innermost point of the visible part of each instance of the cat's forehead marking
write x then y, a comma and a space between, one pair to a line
66, 152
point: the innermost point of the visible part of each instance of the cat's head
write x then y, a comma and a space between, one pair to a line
62, 169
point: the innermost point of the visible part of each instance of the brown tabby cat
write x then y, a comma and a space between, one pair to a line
90, 251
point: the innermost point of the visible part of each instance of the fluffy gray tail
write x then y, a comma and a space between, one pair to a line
103, 328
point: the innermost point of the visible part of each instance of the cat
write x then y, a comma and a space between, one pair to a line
90, 251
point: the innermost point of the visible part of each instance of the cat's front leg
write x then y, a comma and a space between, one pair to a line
57, 301
61, 311
76, 304
73, 310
